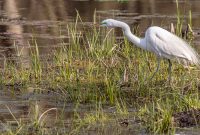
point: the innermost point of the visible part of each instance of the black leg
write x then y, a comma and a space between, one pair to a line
158, 66
169, 70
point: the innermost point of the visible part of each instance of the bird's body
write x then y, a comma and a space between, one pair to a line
159, 41
167, 45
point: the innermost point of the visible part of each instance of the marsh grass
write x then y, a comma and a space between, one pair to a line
96, 69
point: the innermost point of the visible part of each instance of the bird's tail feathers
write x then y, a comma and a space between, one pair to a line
195, 60
194, 56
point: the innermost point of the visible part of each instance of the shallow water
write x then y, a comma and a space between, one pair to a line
46, 21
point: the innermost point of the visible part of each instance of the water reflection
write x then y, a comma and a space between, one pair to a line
12, 34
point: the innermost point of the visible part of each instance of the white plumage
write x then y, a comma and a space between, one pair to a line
161, 42
167, 45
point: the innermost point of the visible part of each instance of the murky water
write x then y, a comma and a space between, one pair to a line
46, 21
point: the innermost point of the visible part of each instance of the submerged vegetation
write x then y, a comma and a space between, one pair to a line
112, 78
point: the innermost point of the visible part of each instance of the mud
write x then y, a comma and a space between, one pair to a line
190, 118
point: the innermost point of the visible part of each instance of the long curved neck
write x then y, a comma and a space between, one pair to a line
131, 37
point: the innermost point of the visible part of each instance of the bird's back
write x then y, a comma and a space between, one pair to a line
167, 45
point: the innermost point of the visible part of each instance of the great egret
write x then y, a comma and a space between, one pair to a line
159, 41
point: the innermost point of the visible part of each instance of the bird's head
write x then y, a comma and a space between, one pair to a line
110, 23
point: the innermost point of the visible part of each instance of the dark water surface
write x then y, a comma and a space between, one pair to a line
46, 21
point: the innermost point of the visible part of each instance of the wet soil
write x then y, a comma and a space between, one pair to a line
190, 118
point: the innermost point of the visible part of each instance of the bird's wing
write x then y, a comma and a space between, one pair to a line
168, 45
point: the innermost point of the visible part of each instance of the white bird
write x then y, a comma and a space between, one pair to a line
161, 42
